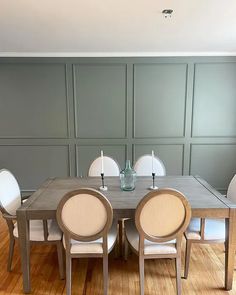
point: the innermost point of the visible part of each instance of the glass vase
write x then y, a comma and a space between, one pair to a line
127, 178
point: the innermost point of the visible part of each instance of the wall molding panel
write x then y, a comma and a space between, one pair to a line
35, 95
157, 88
214, 162
57, 113
214, 89
32, 164
85, 154
99, 89
172, 155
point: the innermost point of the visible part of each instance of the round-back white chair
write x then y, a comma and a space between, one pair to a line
231, 192
111, 168
10, 196
143, 166
85, 217
161, 218
10, 201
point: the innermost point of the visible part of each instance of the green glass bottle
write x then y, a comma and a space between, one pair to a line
127, 178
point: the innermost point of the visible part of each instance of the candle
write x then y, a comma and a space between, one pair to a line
153, 162
102, 163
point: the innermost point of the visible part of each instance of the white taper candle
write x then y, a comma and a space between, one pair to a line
152, 161
102, 163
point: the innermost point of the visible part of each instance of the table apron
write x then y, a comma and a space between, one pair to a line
129, 213
211, 213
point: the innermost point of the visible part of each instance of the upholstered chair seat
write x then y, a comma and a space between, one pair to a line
37, 231
150, 247
214, 229
78, 247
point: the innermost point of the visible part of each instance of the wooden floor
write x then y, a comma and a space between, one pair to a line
206, 273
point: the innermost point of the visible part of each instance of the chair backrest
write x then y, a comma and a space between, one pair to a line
162, 215
111, 168
231, 192
10, 196
84, 215
143, 166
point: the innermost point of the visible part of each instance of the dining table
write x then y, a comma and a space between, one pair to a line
205, 201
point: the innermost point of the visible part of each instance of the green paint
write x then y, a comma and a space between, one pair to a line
56, 114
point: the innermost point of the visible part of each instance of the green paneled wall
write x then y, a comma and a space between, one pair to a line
215, 91
31, 95
159, 90
100, 100
56, 114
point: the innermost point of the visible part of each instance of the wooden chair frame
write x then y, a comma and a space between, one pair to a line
177, 235
70, 235
10, 223
202, 240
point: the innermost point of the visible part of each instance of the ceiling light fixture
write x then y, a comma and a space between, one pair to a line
167, 12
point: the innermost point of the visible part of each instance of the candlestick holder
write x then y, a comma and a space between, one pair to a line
153, 186
103, 187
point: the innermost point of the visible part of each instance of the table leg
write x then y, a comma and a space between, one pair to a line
230, 247
23, 230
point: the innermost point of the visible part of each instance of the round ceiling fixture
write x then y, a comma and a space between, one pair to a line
167, 12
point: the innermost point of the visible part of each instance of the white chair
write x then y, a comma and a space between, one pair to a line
86, 219
111, 168
143, 166
207, 231
46, 231
161, 218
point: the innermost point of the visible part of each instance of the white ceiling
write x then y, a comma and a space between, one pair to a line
117, 28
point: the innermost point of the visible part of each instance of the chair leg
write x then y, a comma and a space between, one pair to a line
11, 252
117, 249
117, 244
105, 274
68, 274
141, 274
126, 249
178, 274
187, 258
60, 256
121, 227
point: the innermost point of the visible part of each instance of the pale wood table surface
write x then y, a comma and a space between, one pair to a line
205, 202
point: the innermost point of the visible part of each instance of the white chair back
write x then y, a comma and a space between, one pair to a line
143, 166
162, 214
111, 168
84, 214
231, 192
10, 196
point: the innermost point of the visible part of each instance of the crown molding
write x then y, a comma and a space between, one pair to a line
116, 54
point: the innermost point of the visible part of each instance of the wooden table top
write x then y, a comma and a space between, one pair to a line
199, 193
